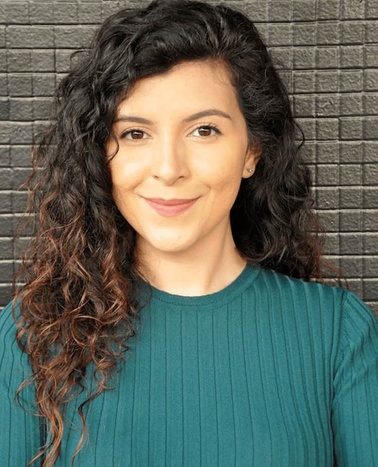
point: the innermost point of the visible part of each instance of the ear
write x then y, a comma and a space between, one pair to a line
252, 157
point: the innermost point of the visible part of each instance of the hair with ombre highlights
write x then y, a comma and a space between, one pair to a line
78, 304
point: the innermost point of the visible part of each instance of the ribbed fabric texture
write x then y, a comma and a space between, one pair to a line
270, 371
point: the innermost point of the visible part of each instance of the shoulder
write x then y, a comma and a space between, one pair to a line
333, 314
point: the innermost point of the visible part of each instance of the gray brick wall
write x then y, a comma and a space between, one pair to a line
328, 56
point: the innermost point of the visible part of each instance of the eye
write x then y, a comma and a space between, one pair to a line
206, 131
133, 134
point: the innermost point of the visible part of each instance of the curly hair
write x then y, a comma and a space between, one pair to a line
78, 304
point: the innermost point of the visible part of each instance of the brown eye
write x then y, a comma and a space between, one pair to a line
133, 134
206, 131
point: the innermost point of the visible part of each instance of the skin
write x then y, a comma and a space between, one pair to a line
171, 157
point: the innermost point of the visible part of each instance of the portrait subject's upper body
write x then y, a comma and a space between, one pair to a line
171, 307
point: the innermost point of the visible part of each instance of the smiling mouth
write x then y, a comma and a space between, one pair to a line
170, 207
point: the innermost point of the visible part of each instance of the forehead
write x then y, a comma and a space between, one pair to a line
188, 84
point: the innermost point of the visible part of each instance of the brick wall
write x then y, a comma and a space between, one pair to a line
328, 50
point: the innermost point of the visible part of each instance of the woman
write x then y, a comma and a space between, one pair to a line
172, 312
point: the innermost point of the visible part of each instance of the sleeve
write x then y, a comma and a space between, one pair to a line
355, 402
19, 428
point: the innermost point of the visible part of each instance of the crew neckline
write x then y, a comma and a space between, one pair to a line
237, 286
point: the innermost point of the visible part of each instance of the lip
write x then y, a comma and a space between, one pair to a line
170, 207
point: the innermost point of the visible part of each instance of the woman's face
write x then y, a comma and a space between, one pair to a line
183, 150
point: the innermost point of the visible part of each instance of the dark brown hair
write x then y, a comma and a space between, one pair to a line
79, 302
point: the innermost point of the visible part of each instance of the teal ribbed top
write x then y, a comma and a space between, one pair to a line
270, 371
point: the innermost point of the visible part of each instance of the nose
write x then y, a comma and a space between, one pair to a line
168, 161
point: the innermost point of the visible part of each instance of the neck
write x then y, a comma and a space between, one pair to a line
198, 271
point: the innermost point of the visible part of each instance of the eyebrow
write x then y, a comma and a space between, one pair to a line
191, 118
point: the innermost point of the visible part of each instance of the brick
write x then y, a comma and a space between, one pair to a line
6, 177
20, 175
42, 60
91, 13
6, 248
351, 152
30, 37
351, 221
280, 34
352, 32
370, 220
304, 11
327, 152
2, 37
5, 132
21, 156
41, 108
327, 33
371, 80
327, 57
20, 246
19, 202
304, 33
304, 105
350, 244
66, 13
16, 12
350, 174
351, 104
350, 9
327, 128
73, 36
4, 108
327, 9
6, 270
3, 61
304, 57
370, 197
327, 174
370, 266
20, 84
371, 9
327, 198
370, 289
258, 11
4, 156
351, 128
370, 242
304, 81
351, 197
371, 31
370, 151
20, 132
351, 56
351, 266
3, 85
308, 127
6, 225
43, 84
371, 55
308, 152
282, 57
41, 13
281, 10
327, 81
5, 202
327, 105
19, 60
63, 60
20, 109
370, 174
332, 244
351, 80
370, 127
329, 220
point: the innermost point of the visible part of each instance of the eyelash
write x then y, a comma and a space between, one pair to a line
210, 126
